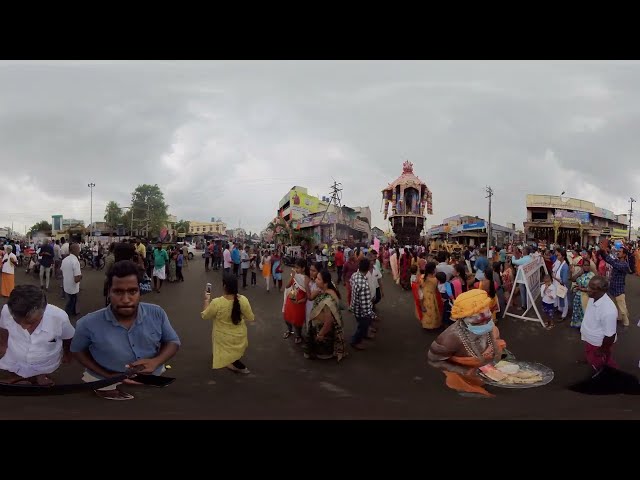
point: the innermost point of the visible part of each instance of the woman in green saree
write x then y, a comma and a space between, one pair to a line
325, 337
580, 297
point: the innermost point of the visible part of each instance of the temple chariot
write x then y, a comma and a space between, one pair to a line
408, 199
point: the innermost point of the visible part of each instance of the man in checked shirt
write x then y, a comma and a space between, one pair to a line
619, 273
361, 304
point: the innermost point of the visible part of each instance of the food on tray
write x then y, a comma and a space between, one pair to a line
508, 373
507, 367
495, 374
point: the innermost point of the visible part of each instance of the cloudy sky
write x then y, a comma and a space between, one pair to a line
228, 139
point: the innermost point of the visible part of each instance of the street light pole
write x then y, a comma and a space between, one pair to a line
91, 185
631, 200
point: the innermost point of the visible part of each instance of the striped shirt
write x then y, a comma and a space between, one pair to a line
361, 296
618, 274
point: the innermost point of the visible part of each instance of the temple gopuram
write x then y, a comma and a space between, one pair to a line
408, 197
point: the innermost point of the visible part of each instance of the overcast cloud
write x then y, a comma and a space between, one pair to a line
228, 139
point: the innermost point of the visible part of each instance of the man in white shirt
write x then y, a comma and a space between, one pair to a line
34, 337
226, 256
244, 257
71, 276
96, 253
57, 259
444, 267
64, 252
325, 258
598, 329
64, 248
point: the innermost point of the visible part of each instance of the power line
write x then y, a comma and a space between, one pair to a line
336, 200
489, 191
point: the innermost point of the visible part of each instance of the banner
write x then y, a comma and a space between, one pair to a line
473, 226
303, 205
529, 275
582, 217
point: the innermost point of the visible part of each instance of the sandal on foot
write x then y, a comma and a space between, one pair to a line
42, 381
16, 380
233, 368
113, 395
298, 340
287, 334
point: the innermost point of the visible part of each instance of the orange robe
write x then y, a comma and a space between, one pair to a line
471, 382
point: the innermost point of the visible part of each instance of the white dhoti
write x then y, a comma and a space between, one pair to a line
160, 272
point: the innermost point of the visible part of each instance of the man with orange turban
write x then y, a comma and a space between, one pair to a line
471, 342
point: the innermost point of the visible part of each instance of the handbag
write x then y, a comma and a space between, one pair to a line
145, 285
561, 291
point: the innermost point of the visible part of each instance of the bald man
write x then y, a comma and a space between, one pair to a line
598, 329
71, 276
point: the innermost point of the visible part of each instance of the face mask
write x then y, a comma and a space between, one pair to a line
481, 329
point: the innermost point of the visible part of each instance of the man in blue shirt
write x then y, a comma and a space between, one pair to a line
503, 256
126, 334
482, 263
617, 284
235, 257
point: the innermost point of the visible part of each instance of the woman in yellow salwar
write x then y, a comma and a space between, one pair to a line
431, 315
229, 335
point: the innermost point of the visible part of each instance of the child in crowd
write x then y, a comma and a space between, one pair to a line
179, 265
548, 293
446, 292
253, 269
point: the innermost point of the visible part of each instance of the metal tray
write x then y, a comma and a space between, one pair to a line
543, 370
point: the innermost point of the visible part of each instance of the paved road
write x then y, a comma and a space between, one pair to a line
389, 381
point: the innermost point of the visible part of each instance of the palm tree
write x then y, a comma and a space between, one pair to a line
282, 228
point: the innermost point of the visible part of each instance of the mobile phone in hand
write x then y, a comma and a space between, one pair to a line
208, 289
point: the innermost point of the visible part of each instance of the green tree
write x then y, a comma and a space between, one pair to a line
42, 226
148, 209
182, 226
113, 215
281, 229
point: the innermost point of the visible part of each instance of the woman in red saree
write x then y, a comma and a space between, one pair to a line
405, 273
385, 258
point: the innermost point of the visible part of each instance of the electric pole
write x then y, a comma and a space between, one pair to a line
91, 185
489, 191
631, 200
336, 200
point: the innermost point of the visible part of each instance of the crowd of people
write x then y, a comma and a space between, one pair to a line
461, 295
